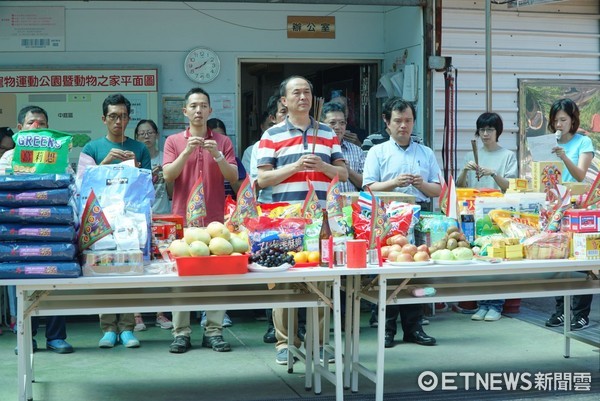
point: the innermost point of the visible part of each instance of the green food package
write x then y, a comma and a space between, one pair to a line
41, 151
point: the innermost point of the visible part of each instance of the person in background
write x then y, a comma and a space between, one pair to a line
496, 166
266, 122
7, 145
199, 152
284, 164
352, 134
576, 151
218, 126
115, 148
333, 114
403, 166
34, 117
276, 113
146, 132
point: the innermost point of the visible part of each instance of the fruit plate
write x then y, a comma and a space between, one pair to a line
254, 267
407, 264
307, 264
454, 262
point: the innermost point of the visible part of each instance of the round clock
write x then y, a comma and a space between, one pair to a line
202, 65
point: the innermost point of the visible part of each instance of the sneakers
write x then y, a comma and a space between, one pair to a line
330, 359
163, 322
480, 314
34, 347
129, 340
269, 336
556, 320
108, 340
492, 315
227, 321
59, 346
424, 321
216, 343
180, 345
580, 323
281, 358
441, 307
139, 323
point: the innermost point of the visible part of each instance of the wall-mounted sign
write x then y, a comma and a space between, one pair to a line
79, 80
310, 27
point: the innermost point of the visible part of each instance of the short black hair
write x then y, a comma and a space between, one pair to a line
216, 123
32, 110
113, 100
332, 107
490, 120
397, 104
194, 91
569, 107
272, 105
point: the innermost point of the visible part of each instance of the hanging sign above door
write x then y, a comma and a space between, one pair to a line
310, 27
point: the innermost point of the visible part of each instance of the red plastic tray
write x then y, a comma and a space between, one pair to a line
307, 264
211, 265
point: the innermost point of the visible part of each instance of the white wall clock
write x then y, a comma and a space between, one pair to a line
202, 65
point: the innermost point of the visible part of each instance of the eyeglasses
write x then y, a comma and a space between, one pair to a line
146, 133
337, 123
488, 130
115, 117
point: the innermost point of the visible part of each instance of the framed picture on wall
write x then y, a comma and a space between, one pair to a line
173, 118
535, 99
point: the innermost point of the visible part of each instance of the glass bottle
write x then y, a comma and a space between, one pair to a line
324, 236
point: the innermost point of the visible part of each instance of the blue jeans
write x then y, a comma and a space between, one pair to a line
495, 304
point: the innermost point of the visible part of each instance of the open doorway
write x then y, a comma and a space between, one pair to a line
357, 81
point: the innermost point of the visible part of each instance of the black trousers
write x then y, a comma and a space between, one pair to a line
580, 305
410, 318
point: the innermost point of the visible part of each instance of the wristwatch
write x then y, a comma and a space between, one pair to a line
221, 157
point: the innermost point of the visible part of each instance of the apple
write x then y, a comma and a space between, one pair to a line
421, 256
393, 255
405, 257
423, 248
396, 248
385, 250
410, 249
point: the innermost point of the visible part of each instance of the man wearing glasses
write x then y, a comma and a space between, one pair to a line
115, 148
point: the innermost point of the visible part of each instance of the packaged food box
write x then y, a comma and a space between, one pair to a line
585, 246
109, 263
174, 218
581, 221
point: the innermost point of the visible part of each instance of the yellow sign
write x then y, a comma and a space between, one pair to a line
310, 27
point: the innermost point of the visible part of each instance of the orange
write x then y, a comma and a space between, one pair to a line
301, 257
313, 257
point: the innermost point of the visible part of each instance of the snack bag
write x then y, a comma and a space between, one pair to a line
41, 151
266, 232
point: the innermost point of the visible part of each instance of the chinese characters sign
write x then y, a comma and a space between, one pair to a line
78, 80
311, 27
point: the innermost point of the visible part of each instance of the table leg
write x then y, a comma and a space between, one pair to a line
567, 325
355, 333
380, 339
337, 334
349, 329
24, 346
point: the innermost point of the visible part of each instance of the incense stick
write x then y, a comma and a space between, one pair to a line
317, 107
475, 155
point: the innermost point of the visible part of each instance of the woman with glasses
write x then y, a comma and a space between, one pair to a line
146, 132
496, 164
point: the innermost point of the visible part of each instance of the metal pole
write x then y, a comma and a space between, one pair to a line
488, 55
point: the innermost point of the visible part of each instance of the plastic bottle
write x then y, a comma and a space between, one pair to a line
324, 236
467, 222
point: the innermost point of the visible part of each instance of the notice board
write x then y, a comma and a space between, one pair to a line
73, 97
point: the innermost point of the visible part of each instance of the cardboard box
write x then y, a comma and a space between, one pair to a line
514, 252
577, 188
178, 220
484, 205
542, 172
529, 202
585, 246
518, 185
581, 221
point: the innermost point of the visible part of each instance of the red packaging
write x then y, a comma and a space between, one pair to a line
581, 221
174, 218
212, 265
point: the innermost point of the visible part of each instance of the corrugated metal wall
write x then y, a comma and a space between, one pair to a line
554, 41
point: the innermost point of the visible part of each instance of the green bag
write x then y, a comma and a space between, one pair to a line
41, 151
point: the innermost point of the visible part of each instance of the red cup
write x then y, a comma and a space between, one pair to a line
356, 253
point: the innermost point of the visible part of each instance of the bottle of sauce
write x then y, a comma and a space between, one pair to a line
324, 236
